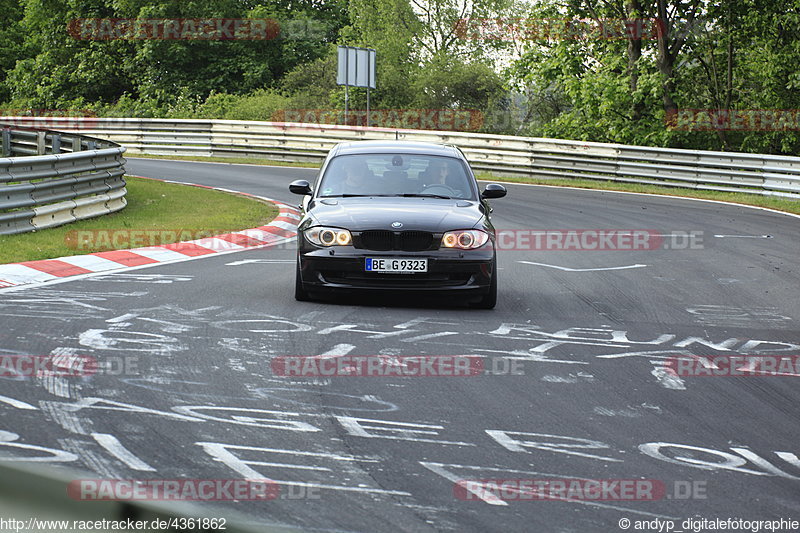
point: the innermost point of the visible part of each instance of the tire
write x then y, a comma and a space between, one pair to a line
489, 300
300, 294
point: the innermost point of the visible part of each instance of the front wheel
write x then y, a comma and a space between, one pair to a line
489, 300
300, 294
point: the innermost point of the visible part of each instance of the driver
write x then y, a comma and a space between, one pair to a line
438, 172
441, 173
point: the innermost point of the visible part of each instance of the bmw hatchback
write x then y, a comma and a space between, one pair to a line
395, 215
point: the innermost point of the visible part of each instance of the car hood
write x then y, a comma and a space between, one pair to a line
428, 214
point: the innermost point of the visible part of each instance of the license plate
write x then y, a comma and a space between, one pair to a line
395, 265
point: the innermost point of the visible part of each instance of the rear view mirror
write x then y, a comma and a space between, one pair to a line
493, 190
300, 187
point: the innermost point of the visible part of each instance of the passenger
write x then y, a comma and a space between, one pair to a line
354, 178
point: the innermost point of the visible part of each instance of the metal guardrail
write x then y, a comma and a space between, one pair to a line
499, 154
50, 178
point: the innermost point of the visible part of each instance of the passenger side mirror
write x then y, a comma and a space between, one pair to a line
300, 187
493, 190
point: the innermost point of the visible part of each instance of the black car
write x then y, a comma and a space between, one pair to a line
389, 215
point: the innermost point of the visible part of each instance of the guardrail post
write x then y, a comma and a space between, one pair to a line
5, 147
91, 145
41, 142
56, 143
76, 144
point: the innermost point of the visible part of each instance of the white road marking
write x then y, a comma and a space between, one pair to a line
338, 351
358, 427
259, 261
566, 269
223, 454
430, 336
115, 448
743, 236
762, 463
665, 376
551, 443
17, 403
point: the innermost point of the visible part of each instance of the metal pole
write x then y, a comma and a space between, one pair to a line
5, 151
346, 84
369, 71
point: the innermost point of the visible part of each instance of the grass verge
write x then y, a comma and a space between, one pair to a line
167, 212
771, 202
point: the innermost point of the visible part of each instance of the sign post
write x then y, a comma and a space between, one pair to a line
356, 69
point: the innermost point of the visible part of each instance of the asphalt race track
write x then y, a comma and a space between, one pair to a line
574, 383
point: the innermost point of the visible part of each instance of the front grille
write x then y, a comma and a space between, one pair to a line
413, 241
406, 241
377, 240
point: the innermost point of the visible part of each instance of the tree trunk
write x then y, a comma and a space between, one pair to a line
633, 10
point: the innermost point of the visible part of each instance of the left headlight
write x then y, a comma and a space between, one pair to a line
322, 236
465, 239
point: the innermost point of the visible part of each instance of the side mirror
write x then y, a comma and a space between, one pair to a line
493, 190
300, 187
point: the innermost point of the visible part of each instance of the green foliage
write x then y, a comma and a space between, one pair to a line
738, 54
592, 89
444, 83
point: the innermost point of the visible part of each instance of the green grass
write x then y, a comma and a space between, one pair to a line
232, 160
772, 202
152, 206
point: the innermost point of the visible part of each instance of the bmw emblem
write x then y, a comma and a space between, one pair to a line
397, 224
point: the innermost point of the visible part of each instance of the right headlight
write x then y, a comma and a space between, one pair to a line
465, 239
324, 236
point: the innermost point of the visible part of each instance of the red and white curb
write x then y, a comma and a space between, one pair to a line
281, 230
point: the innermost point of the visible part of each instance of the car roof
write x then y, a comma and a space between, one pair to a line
395, 147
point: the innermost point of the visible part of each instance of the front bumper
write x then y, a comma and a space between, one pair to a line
448, 270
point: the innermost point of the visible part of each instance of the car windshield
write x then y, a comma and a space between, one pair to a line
397, 175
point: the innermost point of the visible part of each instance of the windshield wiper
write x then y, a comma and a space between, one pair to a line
424, 195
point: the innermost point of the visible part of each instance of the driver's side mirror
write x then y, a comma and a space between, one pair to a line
300, 187
493, 190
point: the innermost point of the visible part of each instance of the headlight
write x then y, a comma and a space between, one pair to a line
322, 236
465, 239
